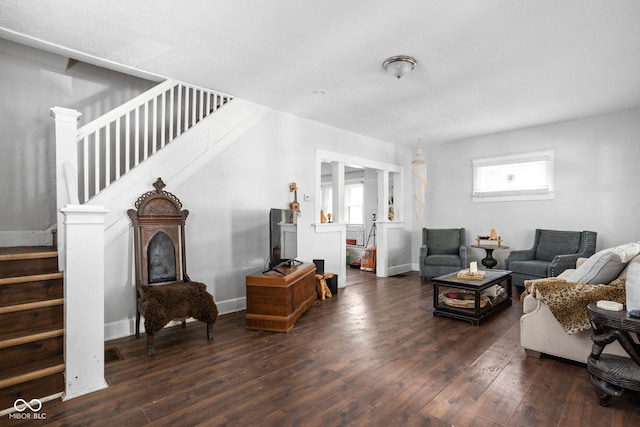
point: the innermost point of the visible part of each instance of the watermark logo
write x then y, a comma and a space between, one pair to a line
21, 406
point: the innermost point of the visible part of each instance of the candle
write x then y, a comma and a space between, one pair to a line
473, 267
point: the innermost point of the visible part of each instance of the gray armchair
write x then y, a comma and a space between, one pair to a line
443, 251
552, 253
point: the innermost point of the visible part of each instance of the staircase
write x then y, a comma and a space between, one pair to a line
31, 325
104, 163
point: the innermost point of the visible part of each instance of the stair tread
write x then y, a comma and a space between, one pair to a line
40, 303
31, 300
31, 371
30, 278
32, 335
27, 252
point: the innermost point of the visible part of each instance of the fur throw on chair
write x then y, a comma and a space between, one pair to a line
177, 300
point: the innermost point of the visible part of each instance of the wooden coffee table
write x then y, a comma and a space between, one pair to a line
450, 284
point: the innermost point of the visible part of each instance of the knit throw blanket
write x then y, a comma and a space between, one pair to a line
568, 300
175, 301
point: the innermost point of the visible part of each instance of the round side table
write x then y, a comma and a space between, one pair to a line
611, 374
489, 261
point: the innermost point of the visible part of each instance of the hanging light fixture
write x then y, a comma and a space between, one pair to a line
419, 173
399, 65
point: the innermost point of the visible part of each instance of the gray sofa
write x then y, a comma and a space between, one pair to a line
552, 253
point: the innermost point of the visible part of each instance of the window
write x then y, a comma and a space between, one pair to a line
524, 176
354, 203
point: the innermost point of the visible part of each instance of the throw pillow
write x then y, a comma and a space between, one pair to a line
606, 265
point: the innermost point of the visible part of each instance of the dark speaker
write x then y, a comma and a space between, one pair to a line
332, 283
319, 266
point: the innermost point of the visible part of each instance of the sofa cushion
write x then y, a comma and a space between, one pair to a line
530, 268
606, 265
448, 260
552, 243
626, 269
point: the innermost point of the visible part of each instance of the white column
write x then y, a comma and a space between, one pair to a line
337, 179
84, 300
382, 251
66, 146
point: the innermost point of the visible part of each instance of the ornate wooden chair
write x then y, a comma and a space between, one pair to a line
164, 291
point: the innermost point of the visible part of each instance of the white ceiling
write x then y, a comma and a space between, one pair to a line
484, 66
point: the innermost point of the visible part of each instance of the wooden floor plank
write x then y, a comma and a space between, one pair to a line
372, 355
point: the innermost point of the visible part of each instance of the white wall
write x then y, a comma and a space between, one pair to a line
229, 201
229, 198
31, 82
597, 167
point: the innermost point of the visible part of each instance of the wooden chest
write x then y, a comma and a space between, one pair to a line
275, 301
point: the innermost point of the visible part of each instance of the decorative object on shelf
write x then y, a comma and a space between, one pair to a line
463, 300
294, 206
494, 291
419, 173
399, 65
323, 218
493, 239
391, 213
329, 217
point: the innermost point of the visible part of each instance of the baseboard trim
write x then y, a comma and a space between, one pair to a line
399, 269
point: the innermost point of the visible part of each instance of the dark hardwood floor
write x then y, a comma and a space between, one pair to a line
374, 355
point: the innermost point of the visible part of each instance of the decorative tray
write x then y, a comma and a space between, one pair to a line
468, 275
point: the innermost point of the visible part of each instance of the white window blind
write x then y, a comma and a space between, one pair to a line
524, 176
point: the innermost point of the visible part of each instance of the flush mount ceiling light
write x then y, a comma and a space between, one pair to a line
399, 66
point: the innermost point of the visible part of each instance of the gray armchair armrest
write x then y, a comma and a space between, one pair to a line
463, 256
423, 252
521, 255
561, 263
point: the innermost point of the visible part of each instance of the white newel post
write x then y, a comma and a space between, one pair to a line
66, 142
84, 299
